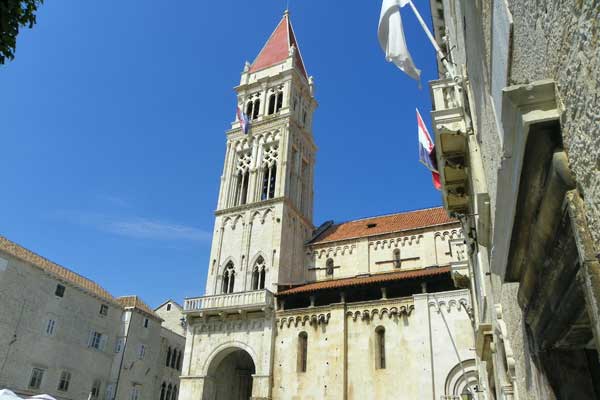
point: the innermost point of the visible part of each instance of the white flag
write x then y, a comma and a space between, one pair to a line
391, 37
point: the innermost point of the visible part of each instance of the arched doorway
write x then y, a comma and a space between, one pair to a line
230, 373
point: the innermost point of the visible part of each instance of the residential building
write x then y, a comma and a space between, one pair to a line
64, 335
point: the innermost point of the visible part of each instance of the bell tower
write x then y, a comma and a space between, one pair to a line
265, 206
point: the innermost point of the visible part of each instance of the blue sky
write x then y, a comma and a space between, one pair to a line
113, 118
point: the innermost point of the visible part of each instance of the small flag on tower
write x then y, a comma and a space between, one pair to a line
427, 152
243, 118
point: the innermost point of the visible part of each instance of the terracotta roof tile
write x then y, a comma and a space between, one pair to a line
136, 302
357, 281
277, 48
385, 224
57, 270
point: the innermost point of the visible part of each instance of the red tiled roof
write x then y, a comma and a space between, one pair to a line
277, 48
136, 302
357, 281
59, 271
385, 224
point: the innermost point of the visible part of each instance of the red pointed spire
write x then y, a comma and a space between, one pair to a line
277, 48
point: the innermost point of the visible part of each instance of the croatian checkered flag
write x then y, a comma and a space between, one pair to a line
243, 118
427, 152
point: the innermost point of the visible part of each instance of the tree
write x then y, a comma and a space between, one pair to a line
13, 15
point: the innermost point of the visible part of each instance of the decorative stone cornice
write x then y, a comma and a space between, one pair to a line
381, 312
302, 320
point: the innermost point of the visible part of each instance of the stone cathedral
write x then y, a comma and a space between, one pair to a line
365, 309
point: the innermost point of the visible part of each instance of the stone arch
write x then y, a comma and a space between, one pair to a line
223, 350
230, 369
460, 376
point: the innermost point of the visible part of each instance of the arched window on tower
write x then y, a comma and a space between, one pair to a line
329, 267
256, 108
163, 389
302, 351
279, 101
228, 278
174, 395
272, 99
179, 357
241, 190
168, 357
397, 259
380, 347
169, 390
269, 172
249, 107
258, 274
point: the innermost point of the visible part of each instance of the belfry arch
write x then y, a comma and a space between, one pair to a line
229, 375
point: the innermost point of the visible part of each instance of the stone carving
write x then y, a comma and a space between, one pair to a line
302, 320
367, 315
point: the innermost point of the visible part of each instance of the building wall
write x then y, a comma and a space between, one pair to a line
418, 249
170, 375
28, 302
171, 314
342, 345
208, 339
504, 43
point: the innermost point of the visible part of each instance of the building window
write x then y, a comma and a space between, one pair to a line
329, 267
176, 354
397, 260
174, 395
271, 109
228, 278
249, 110
146, 322
119, 344
60, 290
179, 359
50, 325
141, 351
269, 178
65, 379
95, 391
168, 363
302, 351
380, 347
97, 340
103, 309
110, 391
37, 374
258, 274
279, 101
241, 191
256, 108
135, 393
163, 389
169, 307
169, 391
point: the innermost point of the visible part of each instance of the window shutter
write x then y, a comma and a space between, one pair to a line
103, 340
90, 338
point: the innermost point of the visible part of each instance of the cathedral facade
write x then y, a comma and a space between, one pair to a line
366, 309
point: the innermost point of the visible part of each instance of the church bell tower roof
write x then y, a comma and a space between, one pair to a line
278, 48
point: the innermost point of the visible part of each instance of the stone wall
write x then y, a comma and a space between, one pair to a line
371, 255
342, 348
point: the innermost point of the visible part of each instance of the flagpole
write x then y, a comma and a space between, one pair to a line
438, 50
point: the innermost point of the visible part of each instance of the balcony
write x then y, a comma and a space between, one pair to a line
450, 127
256, 300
